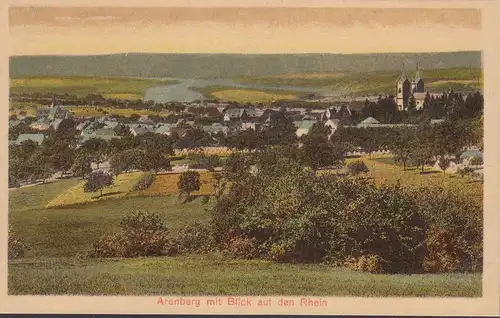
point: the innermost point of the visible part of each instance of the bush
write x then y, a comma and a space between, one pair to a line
455, 237
465, 171
145, 181
242, 247
371, 263
196, 238
441, 254
357, 166
142, 234
16, 246
108, 246
476, 161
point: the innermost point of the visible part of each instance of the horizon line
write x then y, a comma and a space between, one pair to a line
229, 53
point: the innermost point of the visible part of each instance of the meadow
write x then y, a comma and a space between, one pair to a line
58, 238
81, 86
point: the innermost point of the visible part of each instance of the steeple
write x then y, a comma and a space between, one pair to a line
404, 76
417, 75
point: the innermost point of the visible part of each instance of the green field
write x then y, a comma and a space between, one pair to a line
57, 238
215, 275
110, 87
379, 82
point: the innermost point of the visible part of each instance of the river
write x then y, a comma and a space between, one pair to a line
182, 91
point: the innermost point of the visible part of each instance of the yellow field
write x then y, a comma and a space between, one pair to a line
122, 186
309, 75
465, 82
123, 96
250, 96
166, 184
389, 173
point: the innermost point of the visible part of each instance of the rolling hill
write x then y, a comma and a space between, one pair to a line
230, 65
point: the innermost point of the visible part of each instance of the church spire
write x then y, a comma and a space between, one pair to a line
417, 75
404, 76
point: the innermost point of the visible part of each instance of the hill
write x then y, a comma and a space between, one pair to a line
230, 65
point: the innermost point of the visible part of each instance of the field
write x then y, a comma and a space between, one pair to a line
110, 87
383, 171
213, 275
56, 238
166, 184
255, 96
379, 82
75, 195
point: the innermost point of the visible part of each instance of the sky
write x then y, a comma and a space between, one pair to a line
95, 30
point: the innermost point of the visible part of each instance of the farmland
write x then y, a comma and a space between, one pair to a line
109, 87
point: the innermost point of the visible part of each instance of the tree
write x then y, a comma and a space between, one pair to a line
154, 160
97, 181
189, 181
317, 151
402, 146
97, 149
444, 163
39, 166
81, 165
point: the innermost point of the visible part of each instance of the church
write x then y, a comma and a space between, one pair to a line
407, 88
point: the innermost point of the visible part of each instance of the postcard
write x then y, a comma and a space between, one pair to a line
250, 157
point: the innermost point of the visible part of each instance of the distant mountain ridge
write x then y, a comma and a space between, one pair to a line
230, 65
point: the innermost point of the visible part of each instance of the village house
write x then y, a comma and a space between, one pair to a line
38, 138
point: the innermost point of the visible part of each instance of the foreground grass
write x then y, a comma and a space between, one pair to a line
214, 275
69, 231
112, 87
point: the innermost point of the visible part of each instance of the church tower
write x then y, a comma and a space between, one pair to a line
417, 86
403, 87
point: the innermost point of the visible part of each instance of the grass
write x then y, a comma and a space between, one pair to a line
55, 237
379, 82
122, 186
81, 86
70, 230
384, 170
166, 184
214, 275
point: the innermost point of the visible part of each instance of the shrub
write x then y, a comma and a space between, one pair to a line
465, 171
456, 225
16, 246
142, 234
108, 246
197, 237
441, 254
371, 264
476, 161
145, 181
357, 166
242, 247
